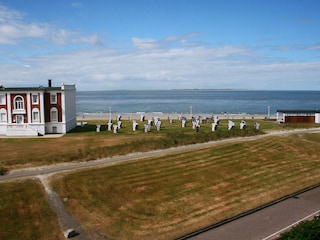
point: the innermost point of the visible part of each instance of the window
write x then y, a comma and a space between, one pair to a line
35, 115
2, 99
53, 98
54, 115
18, 103
34, 98
3, 115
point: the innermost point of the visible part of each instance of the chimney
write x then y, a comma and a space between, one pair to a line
49, 82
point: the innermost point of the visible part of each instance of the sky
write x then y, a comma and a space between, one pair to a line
161, 44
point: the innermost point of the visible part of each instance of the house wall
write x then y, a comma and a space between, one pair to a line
4, 105
55, 127
299, 119
317, 118
14, 112
49, 106
3, 129
65, 105
34, 106
29, 126
52, 126
3, 108
69, 100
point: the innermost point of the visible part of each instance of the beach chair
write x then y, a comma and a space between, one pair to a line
230, 125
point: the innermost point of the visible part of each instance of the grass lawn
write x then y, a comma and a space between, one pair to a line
84, 143
25, 213
166, 197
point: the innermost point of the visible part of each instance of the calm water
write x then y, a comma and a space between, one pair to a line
199, 101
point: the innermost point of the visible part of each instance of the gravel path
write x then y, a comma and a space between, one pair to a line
65, 219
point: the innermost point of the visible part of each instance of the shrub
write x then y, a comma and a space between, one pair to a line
308, 230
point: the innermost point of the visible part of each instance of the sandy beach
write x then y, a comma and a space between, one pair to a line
163, 116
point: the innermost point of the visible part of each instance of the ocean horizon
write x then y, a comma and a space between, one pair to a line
197, 101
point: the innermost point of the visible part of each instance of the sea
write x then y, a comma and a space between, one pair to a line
237, 102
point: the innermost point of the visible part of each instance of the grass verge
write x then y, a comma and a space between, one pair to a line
25, 213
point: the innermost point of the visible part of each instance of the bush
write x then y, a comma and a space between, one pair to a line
308, 230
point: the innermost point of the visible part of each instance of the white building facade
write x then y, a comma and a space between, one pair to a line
37, 111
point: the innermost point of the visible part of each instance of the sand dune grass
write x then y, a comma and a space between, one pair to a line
166, 197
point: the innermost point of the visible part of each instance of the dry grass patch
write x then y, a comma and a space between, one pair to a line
18, 153
85, 144
25, 213
168, 196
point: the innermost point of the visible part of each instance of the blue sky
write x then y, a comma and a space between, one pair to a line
161, 44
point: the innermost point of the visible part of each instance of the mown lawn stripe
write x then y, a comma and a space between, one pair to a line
178, 193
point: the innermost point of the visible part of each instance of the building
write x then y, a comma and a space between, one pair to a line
298, 116
36, 111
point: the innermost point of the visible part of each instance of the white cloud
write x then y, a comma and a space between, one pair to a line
15, 28
162, 68
92, 40
7, 14
144, 44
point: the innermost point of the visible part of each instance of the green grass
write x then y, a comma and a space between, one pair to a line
167, 196
25, 213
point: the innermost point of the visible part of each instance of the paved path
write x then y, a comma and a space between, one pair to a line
65, 219
269, 222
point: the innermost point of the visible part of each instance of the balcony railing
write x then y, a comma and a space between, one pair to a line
19, 111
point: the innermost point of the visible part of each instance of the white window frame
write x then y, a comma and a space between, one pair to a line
54, 114
35, 115
3, 115
53, 98
35, 98
18, 103
2, 99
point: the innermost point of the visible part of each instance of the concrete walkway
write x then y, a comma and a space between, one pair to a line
65, 219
